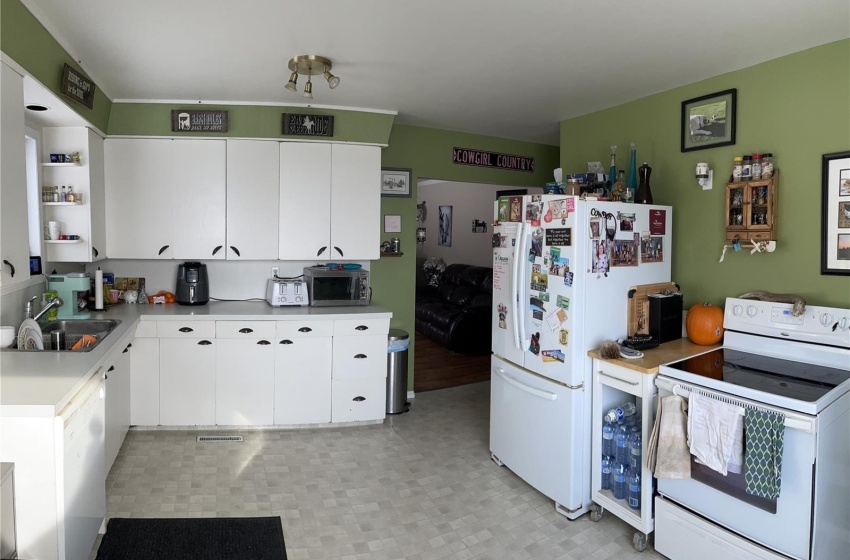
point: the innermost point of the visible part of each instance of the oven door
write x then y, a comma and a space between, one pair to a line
784, 525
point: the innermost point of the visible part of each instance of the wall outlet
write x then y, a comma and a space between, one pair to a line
275, 270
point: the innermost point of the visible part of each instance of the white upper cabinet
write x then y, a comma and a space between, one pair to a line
329, 201
14, 238
253, 176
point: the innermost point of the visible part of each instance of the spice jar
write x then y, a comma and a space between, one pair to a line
747, 169
737, 168
767, 166
756, 167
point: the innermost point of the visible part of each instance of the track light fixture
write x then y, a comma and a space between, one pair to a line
310, 65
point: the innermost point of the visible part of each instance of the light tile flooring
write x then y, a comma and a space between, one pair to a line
420, 486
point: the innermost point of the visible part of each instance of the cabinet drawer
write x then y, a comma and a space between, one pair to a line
361, 327
244, 329
358, 357
185, 329
625, 379
358, 399
146, 329
301, 329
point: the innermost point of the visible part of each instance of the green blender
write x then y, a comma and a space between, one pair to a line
71, 288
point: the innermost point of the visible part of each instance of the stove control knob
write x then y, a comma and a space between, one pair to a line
752, 310
826, 319
737, 310
844, 323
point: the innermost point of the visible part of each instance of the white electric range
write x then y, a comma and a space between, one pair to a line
774, 361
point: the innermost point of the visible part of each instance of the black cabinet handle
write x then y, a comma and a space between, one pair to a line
111, 368
127, 349
94, 250
10, 266
286, 342
246, 330
322, 250
186, 329
338, 250
264, 343
359, 399
130, 345
361, 328
164, 247
305, 329
359, 356
217, 249
235, 250
204, 343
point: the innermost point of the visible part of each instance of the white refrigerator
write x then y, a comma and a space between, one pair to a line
562, 270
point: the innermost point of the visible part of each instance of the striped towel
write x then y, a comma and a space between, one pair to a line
764, 433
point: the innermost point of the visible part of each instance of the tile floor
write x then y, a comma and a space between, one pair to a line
420, 486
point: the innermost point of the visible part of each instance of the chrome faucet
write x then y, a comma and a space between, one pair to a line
57, 302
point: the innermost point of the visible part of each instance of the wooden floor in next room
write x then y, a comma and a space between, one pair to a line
436, 367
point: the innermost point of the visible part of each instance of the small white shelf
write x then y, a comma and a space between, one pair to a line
62, 241
72, 164
61, 203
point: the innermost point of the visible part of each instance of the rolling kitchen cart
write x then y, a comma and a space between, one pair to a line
615, 382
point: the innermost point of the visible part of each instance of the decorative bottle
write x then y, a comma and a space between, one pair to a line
612, 171
644, 194
631, 184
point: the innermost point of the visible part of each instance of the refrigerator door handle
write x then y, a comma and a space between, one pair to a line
523, 284
515, 292
522, 387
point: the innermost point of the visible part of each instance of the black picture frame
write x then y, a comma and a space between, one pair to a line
835, 214
709, 121
395, 181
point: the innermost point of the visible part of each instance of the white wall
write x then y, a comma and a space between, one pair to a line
469, 201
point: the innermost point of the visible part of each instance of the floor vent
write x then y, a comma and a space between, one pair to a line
214, 439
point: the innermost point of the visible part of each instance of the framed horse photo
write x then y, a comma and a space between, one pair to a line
709, 121
835, 217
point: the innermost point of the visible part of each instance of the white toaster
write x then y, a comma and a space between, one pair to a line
282, 291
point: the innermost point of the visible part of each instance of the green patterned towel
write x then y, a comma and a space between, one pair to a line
764, 433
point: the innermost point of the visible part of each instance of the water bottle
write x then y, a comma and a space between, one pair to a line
619, 413
635, 449
618, 475
606, 472
608, 439
633, 483
621, 454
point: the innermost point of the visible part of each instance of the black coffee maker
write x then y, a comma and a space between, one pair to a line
193, 285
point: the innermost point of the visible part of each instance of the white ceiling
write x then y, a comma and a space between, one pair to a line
509, 69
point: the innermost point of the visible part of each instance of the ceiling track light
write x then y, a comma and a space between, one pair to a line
310, 65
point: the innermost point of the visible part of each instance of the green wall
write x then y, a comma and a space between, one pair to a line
428, 153
29, 44
798, 108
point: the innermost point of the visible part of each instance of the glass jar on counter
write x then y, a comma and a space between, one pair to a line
767, 166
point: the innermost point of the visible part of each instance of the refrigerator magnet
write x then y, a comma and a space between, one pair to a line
651, 249
625, 225
568, 279
503, 315
534, 347
563, 302
553, 356
563, 337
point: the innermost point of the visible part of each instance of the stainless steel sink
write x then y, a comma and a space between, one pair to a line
75, 329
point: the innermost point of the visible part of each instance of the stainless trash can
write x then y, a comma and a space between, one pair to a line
397, 348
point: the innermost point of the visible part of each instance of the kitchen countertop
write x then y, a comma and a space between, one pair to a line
40, 384
673, 351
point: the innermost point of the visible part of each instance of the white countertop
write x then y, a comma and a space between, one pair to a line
40, 384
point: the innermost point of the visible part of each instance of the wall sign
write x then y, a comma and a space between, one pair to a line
77, 87
198, 121
466, 156
308, 125
559, 237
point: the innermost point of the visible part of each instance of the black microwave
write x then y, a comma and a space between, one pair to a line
340, 286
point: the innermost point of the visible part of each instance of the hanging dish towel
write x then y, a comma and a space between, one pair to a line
765, 435
667, 453
714, 427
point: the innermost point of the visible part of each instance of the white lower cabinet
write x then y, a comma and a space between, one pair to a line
244, 382
302, 388
117, 405
187, 381
144, 381
359, 387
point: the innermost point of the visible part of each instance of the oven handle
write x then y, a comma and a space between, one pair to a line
793, 420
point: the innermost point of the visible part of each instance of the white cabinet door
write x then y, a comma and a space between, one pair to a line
144, 382
97, 195
305, 201
244, 388
253, 191
187, 381
138, 198
197, 198
302, 389
360, 357
14, 241
117, 405
357, 400
355, 202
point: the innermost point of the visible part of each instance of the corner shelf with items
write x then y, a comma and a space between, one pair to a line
614, 385
751, 209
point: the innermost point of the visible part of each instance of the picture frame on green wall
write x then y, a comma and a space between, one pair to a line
709, 121
395, 181
835, 217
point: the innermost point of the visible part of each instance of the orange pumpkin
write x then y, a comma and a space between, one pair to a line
705, 324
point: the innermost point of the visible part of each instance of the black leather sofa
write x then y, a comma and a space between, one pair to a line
457, 312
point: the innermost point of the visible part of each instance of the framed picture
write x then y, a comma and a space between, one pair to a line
445, 233
709, 121
395, 182
835, 219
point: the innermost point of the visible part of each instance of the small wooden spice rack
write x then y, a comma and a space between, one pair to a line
751, 209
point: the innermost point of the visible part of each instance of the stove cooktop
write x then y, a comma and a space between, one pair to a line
776, 376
